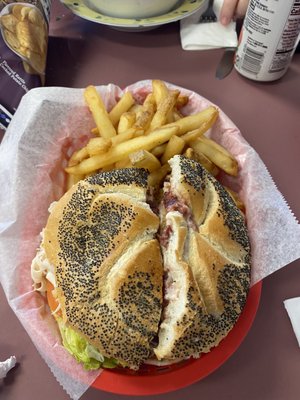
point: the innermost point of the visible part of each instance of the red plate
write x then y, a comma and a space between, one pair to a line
152, 380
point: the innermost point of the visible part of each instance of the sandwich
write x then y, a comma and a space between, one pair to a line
129, 282
107, 274
206, 256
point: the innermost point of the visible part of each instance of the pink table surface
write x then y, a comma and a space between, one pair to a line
267, 364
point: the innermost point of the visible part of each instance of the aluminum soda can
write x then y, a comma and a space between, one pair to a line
268, 39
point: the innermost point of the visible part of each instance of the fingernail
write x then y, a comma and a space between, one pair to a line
225, 20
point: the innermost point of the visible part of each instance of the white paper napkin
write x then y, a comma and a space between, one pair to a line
6, 366
293, 309
209, 35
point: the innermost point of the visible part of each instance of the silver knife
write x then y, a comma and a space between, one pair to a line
226, 63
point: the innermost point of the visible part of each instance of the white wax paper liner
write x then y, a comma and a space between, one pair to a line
48, 125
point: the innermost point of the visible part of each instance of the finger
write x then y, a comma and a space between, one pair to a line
241, 9
228, 11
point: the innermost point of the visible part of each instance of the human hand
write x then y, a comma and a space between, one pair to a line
233, 9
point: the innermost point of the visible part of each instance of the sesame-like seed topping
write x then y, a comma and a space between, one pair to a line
122, 319
93, 226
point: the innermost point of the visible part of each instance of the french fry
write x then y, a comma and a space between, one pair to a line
159, 90
217, 154
123, 149
174, 146
98, 145
150, 99
176, 115
156, 177
126, 135
159, 150
182, 101
72, 179
123, 105
124, 163
203, 160
144, 159
78, 156
170, 117
90, 174
99, 113
126, 121
191, 154
106, 168
203, 120
144, 116
136, 108
138, 132
164, 108
192, 135
95, 131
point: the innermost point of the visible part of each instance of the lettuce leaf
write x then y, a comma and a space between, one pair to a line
83, 351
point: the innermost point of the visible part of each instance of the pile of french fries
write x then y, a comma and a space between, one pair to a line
147, 135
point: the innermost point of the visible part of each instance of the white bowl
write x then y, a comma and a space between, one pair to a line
135, 9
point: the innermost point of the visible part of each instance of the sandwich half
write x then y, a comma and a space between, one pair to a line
100, 251
206, 253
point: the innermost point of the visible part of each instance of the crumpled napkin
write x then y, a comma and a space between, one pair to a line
6, 366
208, 35
293, 309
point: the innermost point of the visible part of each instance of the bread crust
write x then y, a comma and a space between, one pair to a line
88, 232
217, 252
